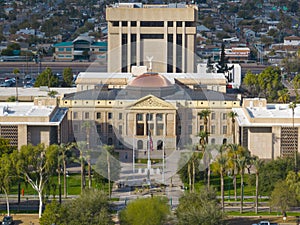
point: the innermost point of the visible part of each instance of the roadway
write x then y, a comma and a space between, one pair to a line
6, 68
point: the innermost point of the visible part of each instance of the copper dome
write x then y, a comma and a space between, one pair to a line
151, 80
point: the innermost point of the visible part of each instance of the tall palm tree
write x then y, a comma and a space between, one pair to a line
207, 157
87, 127
234, 151
204, 114
63, 150
16, 72
242, 161
109, 151
292, 106
81, 146
257, 163
232, 116
220, 166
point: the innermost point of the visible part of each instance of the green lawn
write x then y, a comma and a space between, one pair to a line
73, 186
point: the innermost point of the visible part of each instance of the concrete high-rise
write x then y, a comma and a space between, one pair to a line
161, 37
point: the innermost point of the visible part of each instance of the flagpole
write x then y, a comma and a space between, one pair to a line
163, 161
148, 150
133, 156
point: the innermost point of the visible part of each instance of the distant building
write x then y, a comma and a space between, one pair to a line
237, 54
138, 33
292, 40
82, 48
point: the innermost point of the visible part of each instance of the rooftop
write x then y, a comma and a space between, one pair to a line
11, 109
269, 115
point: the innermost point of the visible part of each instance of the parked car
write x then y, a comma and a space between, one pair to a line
265, 223
8, 220
7, 84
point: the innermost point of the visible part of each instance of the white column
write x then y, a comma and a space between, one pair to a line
138, 43
128, 47
183, 47
120, 41
174, 46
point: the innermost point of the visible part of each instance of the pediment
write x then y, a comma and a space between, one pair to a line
151, 102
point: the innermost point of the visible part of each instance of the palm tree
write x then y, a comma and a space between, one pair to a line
82, 147
242, 161
220, 167
207, 157
16, 72
232, 116
292, 106
234, 151
283, 95
109, 151
63, 150
257, 163
205, 115
87, 127
202, 141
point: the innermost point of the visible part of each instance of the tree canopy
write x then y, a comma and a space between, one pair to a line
91, 208
46, 78
265, 84
146, 211
199, 208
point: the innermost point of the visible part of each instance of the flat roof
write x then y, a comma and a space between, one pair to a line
11, 110
274, 115
170, 76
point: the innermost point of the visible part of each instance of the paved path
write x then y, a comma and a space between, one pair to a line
133, 180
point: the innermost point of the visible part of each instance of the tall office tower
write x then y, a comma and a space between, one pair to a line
161, 37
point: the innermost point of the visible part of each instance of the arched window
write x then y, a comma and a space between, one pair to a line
160, 144
213, 141
224, 141
140, 144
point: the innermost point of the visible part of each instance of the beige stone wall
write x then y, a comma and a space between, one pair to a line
260, 142
151, 46
151, 14
22, 135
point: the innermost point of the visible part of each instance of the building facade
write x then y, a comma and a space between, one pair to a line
35, 122
82, 48
123, 117
139, 34
268, 130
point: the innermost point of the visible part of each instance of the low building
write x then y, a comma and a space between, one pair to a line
268, 130
82, 48
40, 121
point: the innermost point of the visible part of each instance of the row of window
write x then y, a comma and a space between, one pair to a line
87, 115
93, 49
149, 116
139, 116
211, 131
152, 24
